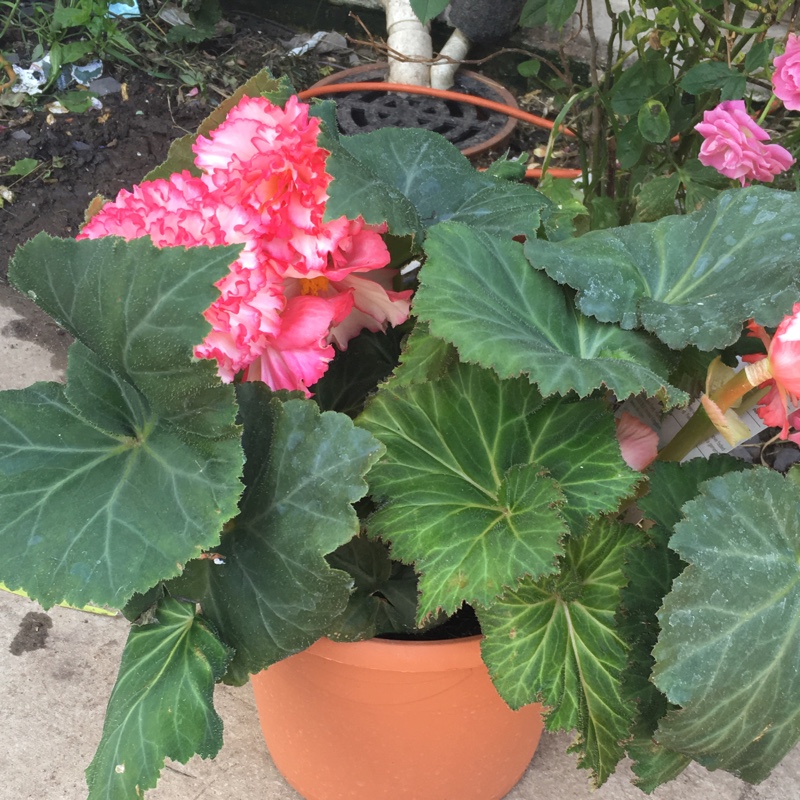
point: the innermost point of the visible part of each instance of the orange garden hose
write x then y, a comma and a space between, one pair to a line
380, 86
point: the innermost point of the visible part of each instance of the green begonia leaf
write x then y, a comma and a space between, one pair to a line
479, 476
729, 646
435, 177
689, 279
464, 502
556, 641
672, 484
162, 703
480, 293
358, 190
651, 569
138, 308
423, 357
114, 481
653, 764
576, 443
384, 596
273, 593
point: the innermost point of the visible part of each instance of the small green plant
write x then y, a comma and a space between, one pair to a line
664, 65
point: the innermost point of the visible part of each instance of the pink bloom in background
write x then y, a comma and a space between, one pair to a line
786, 78
783, 352
734, 145
637, 442
300, 284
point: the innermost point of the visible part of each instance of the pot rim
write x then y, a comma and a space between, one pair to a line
402, 655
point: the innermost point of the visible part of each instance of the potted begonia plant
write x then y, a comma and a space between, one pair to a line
245, 370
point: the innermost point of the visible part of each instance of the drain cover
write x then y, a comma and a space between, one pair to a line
467, 126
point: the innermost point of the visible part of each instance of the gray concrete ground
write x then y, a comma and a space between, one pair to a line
54, 697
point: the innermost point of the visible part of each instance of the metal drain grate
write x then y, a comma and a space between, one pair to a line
465, 125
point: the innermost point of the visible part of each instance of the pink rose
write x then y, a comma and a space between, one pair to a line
734, 145
786, 78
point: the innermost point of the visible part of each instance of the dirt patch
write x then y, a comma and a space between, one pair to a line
101, 151
32, 633
81, 155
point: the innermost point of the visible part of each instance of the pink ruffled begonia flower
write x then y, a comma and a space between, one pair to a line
781, 372
638, 442
734, 145
300, 284
786, 78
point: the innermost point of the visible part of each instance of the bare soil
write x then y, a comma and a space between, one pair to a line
101, 151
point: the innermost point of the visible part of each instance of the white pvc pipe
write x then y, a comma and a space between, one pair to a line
407, 35
443, 72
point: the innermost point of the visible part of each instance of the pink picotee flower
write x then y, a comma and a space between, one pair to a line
786, 78
783, 359
734, 145
300, 284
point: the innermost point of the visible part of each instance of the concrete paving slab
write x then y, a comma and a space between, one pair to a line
55, 696
58, 670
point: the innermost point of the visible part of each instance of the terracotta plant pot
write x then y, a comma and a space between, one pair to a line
393, 720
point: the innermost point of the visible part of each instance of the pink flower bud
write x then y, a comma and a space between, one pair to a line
638, 442
734, 145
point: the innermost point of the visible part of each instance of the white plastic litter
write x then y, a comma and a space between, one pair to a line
29, 81
309, 45
124, 10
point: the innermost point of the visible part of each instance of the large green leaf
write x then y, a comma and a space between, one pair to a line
576, 443
556, 641
114, 481
359, 190
464, 502
423, 357
138, 308
651, 569
690, 280
480, 293
437, 179
730, 646
162, 703
479, 476
384, 597
272, 592
672, 484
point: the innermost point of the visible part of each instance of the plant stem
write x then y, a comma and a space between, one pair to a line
700, 427
767, 109
556, 129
